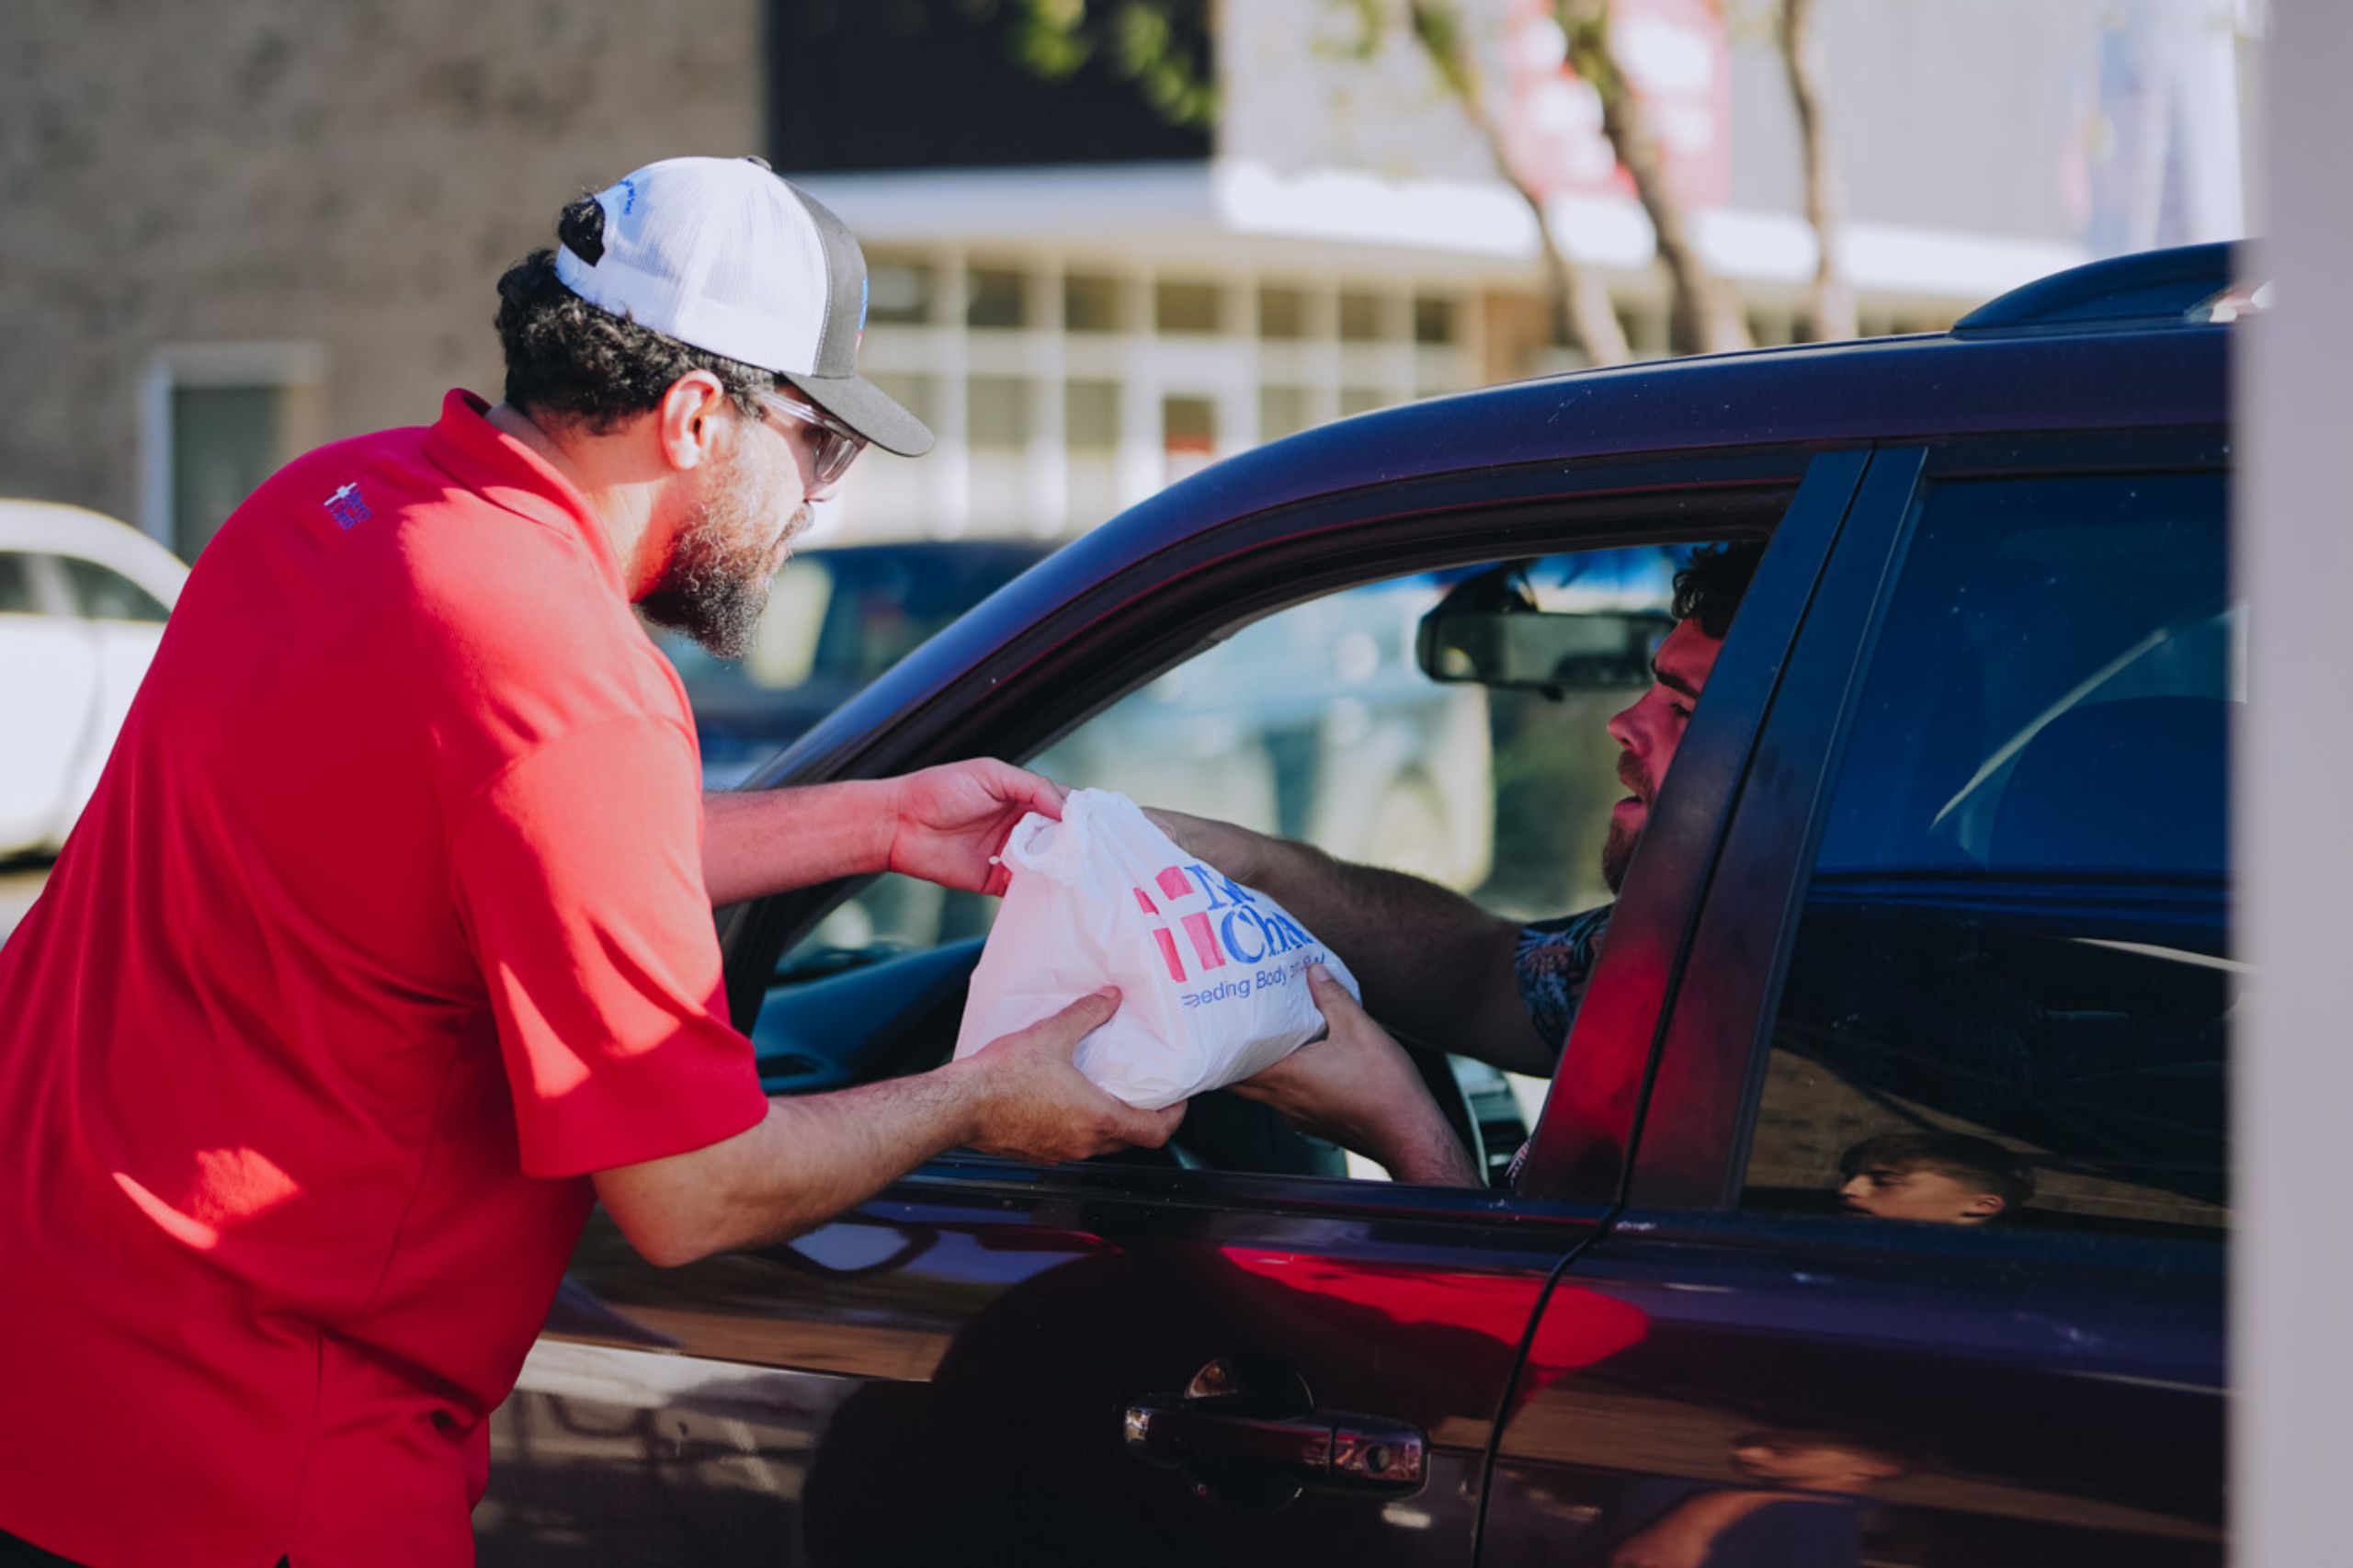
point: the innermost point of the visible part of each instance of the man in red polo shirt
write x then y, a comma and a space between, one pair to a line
385, 947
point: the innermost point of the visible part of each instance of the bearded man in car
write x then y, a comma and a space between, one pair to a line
1447, 974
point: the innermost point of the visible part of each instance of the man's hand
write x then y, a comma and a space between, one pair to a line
1442, 969
1035, 1105
1238, 852
949, 823
1357, 1087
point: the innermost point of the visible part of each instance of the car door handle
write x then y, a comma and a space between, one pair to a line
1326, 1449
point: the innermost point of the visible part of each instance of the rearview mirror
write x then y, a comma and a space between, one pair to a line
1489, 632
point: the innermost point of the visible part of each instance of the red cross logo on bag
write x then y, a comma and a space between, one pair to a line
1244, 932
1174, 884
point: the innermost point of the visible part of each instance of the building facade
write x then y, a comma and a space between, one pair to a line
234, 228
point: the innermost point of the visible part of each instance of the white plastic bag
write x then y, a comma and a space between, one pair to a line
1212, 977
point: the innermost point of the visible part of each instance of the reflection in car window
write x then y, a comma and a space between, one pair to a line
2011, 991
17, 585
103, 594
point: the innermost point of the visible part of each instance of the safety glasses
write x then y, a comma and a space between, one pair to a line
838, 443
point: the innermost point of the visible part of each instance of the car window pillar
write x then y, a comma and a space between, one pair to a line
1591, 1116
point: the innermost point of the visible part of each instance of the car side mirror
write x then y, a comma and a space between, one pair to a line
1489, 632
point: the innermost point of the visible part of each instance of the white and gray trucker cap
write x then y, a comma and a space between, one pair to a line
727, 255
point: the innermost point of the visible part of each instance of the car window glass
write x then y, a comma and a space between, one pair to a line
1317, 722
16, 596
101, 592
836, 619
2010, 995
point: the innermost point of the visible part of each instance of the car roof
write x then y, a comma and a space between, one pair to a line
54, 529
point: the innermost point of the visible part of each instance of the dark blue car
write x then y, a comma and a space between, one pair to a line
1941, 865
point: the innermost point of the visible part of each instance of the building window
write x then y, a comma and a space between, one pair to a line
996, 296
1282, 312
900, 292
1437, 319
1182, 307
1189, 434
217, 420
1360, 317
1090, 303
1091, 416
998, 411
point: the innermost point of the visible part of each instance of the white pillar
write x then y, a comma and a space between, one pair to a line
951, 458
1144, 464
1046, 507
2292, 1261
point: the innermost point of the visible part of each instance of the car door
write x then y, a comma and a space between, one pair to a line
1927, 1223
49, 699
1232, 1353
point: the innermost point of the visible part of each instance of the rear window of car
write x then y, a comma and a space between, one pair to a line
100, 592
2014, 973
17, 585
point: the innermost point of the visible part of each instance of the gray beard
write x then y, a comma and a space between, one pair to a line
715, 585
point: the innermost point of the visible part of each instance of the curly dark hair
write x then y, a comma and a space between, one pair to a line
1713, 581
568, 361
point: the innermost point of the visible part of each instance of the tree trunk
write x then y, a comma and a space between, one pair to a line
1703, 312
1830, 308
1583, 316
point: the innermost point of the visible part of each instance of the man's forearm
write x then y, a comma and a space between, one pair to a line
808, 1160
1433, 964
767, 840
804, 1162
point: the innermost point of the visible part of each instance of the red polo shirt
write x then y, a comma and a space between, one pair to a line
385, 924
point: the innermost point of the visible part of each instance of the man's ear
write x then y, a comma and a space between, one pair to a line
1984, 1206
688, 420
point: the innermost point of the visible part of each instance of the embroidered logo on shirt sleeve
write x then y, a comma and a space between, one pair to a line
348, 506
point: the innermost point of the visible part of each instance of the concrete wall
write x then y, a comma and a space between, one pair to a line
1976, 117
352, 175
1981, 116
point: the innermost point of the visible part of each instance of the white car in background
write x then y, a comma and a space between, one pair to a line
82, 600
